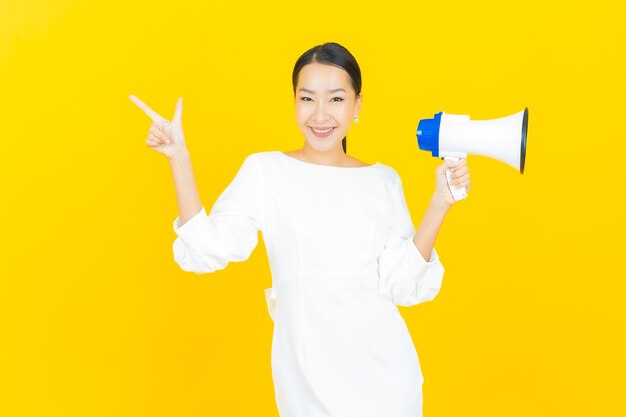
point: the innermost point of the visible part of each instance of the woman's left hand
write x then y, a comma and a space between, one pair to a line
460, 177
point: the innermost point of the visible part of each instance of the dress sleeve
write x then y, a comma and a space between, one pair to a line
404, 275
230, 232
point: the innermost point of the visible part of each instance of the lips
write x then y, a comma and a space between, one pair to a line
322, 129
324, 132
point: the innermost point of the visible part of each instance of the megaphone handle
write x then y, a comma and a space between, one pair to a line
458, 193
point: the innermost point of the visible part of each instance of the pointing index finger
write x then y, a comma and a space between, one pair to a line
143, 106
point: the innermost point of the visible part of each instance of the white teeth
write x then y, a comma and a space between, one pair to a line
322, 131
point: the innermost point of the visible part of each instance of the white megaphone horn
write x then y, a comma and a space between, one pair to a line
453, 136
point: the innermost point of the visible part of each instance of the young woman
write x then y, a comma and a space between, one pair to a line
342, 248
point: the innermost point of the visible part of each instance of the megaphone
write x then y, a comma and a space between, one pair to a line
453, 136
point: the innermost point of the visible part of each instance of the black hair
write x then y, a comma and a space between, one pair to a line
334, 54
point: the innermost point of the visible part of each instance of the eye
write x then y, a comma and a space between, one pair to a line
305, 98
340, 99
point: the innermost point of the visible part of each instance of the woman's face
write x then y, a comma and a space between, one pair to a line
325, 100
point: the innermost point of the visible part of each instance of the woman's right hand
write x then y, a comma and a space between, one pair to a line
165, 136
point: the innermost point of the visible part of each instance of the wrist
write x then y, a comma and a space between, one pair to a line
181, 156
439, 204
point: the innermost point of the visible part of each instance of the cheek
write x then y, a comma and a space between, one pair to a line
302, 113
344, 116
345, 111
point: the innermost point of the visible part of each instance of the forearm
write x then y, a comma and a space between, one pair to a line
187, 196
428, 229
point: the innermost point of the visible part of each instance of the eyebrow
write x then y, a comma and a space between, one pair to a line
306, 90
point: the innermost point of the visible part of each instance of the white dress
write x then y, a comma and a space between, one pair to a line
340, 247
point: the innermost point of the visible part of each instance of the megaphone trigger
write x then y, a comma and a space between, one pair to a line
458, 193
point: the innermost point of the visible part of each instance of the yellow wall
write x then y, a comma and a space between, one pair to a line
96, 319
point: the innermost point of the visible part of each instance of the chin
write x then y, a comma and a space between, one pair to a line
323, 146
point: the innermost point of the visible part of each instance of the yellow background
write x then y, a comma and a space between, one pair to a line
97, 319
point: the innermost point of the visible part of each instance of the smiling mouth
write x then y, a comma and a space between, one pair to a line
322, 131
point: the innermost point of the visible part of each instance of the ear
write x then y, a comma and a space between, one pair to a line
357, 106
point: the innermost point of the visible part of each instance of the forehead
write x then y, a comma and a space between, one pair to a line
320, 77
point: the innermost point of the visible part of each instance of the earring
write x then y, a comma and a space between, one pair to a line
356, 119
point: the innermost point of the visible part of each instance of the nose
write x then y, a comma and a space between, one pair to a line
321, 114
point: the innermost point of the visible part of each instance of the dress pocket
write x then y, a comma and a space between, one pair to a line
270, 299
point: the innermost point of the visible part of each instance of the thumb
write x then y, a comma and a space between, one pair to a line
444, 165
442, 168
450, 164
178, 114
